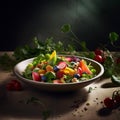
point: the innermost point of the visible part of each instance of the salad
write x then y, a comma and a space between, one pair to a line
53, 68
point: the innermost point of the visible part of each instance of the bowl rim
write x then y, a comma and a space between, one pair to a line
15, 71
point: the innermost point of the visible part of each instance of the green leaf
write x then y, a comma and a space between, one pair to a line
91, 55
38, 44
113, 36
115, 79
66, 28
6, 62
83, 45
50, 76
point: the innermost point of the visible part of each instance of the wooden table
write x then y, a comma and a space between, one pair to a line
77, 105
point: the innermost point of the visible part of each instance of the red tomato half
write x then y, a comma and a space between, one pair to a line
62, 65
36, 76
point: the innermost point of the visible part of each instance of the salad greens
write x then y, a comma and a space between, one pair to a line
59, 69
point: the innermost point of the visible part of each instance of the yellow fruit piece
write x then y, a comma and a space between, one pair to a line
41, 71
53, 54
69, 71
53, 58
49, 68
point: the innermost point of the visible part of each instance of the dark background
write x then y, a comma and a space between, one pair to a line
91, 20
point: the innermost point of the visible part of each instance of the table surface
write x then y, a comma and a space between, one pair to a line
77, 105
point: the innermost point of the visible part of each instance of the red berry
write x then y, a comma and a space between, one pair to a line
14, 82
59, 74
14, 85
17, 86
98, 58
109, 103
98, 51
10, 86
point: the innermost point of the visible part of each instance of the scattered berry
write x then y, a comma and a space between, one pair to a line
109, 103
14, 85
98, 58
113, 102
98, 51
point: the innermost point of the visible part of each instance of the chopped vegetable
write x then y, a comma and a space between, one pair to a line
84, 67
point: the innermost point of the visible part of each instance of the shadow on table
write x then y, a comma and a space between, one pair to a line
104, 112
109, 85
15, 104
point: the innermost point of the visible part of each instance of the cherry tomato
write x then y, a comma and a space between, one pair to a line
59, 74
109, 103
79, 70
62, 65
98, 51
98, 58
36, 76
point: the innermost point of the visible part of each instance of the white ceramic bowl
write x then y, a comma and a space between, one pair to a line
20, 67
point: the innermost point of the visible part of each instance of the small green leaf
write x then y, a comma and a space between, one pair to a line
115, 79
91, 55
113, 36
83, 45
90, 89
66, 28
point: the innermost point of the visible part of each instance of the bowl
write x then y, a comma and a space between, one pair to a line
20, 67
